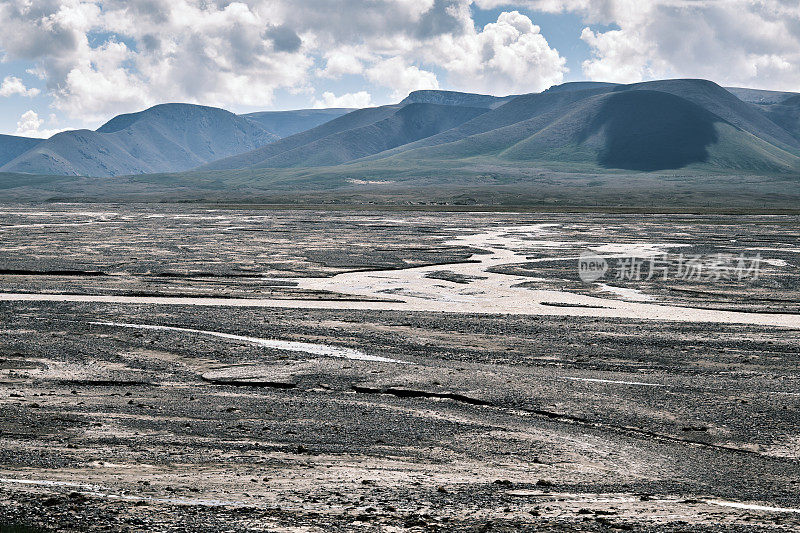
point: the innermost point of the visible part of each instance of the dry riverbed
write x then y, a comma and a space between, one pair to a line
181, 368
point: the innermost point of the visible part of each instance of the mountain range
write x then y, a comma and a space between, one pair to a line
163, 138
644, 127
684, 126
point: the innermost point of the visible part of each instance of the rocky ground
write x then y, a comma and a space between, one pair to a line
383, 420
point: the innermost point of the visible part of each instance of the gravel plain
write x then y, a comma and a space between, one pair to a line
318, 393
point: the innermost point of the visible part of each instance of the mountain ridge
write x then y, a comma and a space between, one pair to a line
12, 146
287, 123
165, 137
658, 126
647, 126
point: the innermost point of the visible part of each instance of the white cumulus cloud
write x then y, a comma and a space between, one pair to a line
359, 100
12, 85
98, 58
401, 77
753, 43
103, 57
29, 125
344, 60
507, 56
617, 57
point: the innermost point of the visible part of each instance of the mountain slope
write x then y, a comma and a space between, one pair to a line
649, 131
407, 124
649, 127
759, 96
642, 127
581, 85
670, 142
164, 138
455, 99
287, 123
786, 114
540, 106
722, 103
12, 146
645, 127
355, 119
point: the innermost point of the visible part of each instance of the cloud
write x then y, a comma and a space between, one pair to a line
109, 56
510, 55
360, 99
29, 125
754, 43
284, 39
616, 57
103, 57
403, 78
98, 58
12, 85
344, 60
354, 22
100, 84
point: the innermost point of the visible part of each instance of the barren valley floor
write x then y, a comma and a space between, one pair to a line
175, 367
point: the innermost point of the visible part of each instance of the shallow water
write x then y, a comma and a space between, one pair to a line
629, 294
753, 507
290, 346
411, 289
613, 381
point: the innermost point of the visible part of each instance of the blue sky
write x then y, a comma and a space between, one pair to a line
77, 63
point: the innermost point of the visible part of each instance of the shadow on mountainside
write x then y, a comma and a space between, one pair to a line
651, 130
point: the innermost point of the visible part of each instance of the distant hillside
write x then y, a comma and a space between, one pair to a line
454, 98
306, 148
580, 86
759, 96
645, 127
286, 123
12, 146
786, 114
724, 104
164, 138
679, 142
516, 111
356, 119
651, 126
407, 124
647, 130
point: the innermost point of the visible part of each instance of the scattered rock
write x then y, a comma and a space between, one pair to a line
77, 497
51, 501
414, 520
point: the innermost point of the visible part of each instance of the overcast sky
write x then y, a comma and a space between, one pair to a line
76, 63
